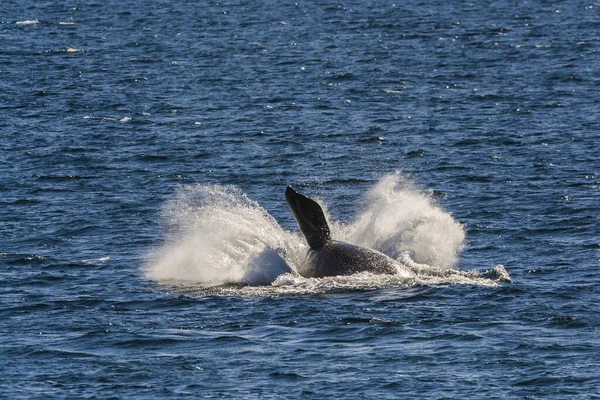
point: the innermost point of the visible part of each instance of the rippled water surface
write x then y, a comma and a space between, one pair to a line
146, 146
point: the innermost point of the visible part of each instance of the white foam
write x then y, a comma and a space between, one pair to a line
28, 22
92, 117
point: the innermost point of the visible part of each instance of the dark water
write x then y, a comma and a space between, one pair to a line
107, 109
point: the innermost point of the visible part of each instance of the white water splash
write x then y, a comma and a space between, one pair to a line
216, 236
219, 236
398, 218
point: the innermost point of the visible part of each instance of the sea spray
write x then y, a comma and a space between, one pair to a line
216, 235
397, 218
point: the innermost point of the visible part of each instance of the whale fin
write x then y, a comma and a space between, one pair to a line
310, 218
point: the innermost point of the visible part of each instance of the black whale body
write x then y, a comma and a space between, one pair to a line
325, 256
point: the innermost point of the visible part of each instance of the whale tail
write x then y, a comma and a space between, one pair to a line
310, 218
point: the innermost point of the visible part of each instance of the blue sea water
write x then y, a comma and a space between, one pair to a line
146, 146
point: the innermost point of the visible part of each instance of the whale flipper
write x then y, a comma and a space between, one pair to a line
310, 218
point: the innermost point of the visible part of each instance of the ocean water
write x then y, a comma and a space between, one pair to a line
144, 236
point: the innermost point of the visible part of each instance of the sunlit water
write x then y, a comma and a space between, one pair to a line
145, 242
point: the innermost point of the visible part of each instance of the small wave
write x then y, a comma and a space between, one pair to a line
28, 22
92, 117
95, 261
23, 258
68, 50
99, 118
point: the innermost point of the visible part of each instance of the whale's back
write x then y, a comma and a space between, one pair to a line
339, 258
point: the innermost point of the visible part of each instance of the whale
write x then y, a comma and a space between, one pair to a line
327, 257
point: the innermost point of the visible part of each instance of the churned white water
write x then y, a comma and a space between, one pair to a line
397, 217
216, 235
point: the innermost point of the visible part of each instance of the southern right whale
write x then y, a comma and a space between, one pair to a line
325, 256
